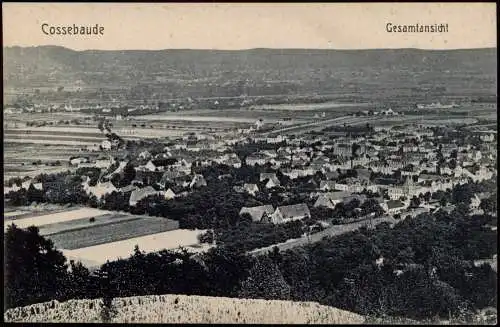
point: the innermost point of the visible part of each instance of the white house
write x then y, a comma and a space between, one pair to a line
103, 163
101, 189
273, 181
327, 186
169, 194
198, 181
251, 188
106, 145
140, 194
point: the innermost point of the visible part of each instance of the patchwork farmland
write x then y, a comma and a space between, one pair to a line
94, 236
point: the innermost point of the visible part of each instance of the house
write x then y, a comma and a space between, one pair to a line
233, 161
198, 181
288, 213
415, 212
342, 150
256, 159
171, 176
331, 175
331, 199
13, 188
78, 160
291, 173
363, 174
103, 163
140, 194
145, 155
251, 188
273, 181
101, 189
169, 194
37, 186
393, 206
327, 186
260, 213
487, 137
106, 145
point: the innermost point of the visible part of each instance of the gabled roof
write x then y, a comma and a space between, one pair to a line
139, 194
257, 212
336, 196
294, 210
250, 187
391, 204
361, 197
329, 184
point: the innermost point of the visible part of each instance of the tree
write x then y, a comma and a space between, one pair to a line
265, 281
415, 202
34, 270
372, 206
489, 205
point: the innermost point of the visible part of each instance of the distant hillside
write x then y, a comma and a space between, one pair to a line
185, 309
199, 73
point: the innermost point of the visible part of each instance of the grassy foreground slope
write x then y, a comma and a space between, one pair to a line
185, 309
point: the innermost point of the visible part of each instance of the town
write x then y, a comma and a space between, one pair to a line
364, 181
338, 175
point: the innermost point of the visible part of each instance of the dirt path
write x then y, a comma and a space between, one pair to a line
331, 231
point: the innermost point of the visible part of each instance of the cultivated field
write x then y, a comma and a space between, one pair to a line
186, 309
109, 236
313, 106
102, 234
98, 254
57, 217
72, 225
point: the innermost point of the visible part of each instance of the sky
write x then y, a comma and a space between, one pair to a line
245, 25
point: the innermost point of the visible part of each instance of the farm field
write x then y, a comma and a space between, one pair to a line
56, 217
111, 235
87, 237
313, 106
15, 213
26, 212
197, 118
72, 225
172, 239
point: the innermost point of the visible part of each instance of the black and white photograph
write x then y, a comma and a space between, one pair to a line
250, 163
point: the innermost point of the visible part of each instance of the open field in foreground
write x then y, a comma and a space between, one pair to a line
186, 309
96, 235
57, 217
72, 225
97, 255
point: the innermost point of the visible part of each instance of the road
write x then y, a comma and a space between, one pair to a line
350, 120
331, 231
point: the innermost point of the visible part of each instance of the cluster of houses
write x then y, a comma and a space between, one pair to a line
397, 164
385, 153
26, 184
280, 215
